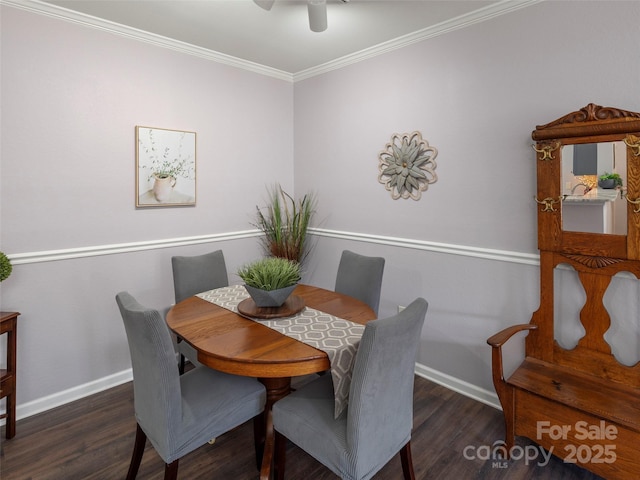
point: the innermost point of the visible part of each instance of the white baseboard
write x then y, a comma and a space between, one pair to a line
459, 386
76, 393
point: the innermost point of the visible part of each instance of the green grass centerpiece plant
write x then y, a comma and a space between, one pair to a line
270, 280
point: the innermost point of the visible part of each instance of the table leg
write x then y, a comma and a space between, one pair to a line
277, 388
10, 424
8, 382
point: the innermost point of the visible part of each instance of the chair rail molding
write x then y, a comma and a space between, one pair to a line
80, 391
97, 250
467, 251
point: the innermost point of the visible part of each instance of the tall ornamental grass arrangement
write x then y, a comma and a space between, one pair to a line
284, 223
271, 273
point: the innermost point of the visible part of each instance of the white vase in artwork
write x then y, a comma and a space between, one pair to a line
162, 187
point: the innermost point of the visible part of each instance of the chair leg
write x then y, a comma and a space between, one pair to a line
138, 450
181, 366
258, 438
171, 470
407, 462
281, 454
182, 359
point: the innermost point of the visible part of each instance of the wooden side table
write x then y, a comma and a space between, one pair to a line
9, 325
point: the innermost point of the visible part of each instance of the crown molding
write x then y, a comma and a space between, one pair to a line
462, 21
54, 11
480, 15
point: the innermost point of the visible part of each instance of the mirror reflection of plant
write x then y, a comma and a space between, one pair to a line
285, 223
164, 163
5, 267
271, 273
612, 176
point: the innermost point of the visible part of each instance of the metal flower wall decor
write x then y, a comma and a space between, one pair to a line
407, 165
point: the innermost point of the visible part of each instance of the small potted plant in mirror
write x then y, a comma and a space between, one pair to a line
609, 180
270, 281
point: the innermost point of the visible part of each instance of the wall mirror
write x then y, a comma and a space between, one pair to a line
578, 213
590, 204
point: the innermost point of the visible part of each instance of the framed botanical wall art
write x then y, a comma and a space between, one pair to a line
165, 167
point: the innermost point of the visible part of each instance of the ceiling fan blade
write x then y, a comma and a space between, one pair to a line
317, 15
266, 4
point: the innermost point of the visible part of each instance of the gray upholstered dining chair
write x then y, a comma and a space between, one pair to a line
378, 420
360, 277
179, 413
196, 274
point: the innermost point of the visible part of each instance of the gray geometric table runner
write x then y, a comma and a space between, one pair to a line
337, 337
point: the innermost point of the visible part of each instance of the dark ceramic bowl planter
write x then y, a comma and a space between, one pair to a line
270, 298
270, 280
608, 183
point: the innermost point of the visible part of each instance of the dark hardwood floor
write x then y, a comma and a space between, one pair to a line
93, 438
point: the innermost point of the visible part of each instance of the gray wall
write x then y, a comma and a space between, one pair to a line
476, 94
71, 97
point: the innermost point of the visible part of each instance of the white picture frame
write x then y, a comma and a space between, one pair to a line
165, 167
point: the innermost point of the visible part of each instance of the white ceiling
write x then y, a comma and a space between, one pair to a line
280, 39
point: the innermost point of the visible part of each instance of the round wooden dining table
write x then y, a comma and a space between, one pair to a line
231, 343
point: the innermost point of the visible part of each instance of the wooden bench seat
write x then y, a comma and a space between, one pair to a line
580, 417
613, 402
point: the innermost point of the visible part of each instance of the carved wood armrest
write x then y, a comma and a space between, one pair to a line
500, 338
496, 341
